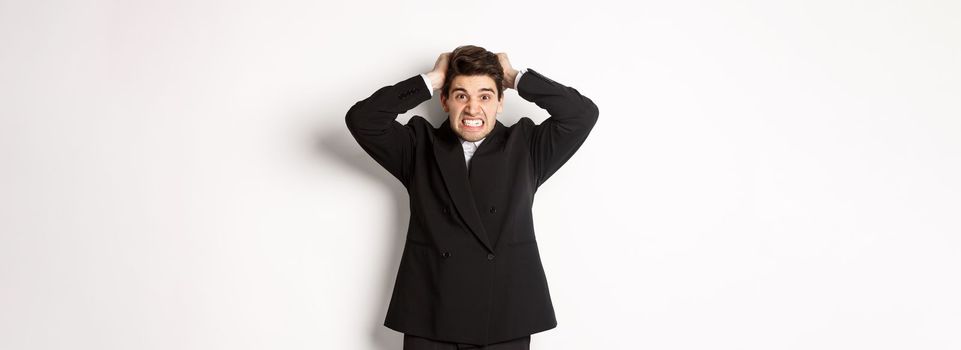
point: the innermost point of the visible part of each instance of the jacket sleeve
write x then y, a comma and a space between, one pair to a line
572, 116
373, 123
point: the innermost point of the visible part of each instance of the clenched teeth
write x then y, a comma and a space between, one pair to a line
473, 122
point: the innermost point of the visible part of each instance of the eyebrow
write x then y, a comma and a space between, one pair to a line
465, 90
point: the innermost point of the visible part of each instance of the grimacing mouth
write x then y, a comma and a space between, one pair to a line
463, 122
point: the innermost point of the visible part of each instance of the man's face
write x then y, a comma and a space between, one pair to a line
472, 106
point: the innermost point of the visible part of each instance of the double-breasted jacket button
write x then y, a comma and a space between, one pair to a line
446, 210
445, 254
490, 256
493, 210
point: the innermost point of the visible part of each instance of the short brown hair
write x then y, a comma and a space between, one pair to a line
473, 60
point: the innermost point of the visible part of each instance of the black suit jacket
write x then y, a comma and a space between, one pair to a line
470, 270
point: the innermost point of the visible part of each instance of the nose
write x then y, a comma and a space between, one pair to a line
472, 106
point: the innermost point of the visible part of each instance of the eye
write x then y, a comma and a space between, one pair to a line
487, 97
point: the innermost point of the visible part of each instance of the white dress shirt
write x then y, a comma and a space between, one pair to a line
470, 147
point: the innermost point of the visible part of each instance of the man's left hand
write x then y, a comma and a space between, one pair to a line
509, 72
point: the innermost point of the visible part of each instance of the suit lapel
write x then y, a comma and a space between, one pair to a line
450, 159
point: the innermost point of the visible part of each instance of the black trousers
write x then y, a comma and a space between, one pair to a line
412, 342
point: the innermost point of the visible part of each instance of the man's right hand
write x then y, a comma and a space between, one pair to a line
510, 74
437, 75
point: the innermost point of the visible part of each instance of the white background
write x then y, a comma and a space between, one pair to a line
763, 175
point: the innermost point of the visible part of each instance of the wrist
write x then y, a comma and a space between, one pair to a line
510, 77
436, 79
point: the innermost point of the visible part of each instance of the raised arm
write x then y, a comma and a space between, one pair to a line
373, 120
572, 116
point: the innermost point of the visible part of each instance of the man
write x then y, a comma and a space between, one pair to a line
470, 275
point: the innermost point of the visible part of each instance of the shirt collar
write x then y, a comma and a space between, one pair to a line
476, 143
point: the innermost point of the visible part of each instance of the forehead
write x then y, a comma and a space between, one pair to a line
473, 83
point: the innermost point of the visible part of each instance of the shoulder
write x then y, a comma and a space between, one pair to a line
524, 122
419, 124
525, 125
521, 131
421, 128
417, 120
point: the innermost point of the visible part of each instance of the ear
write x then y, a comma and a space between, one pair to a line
500, 106
443, 103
